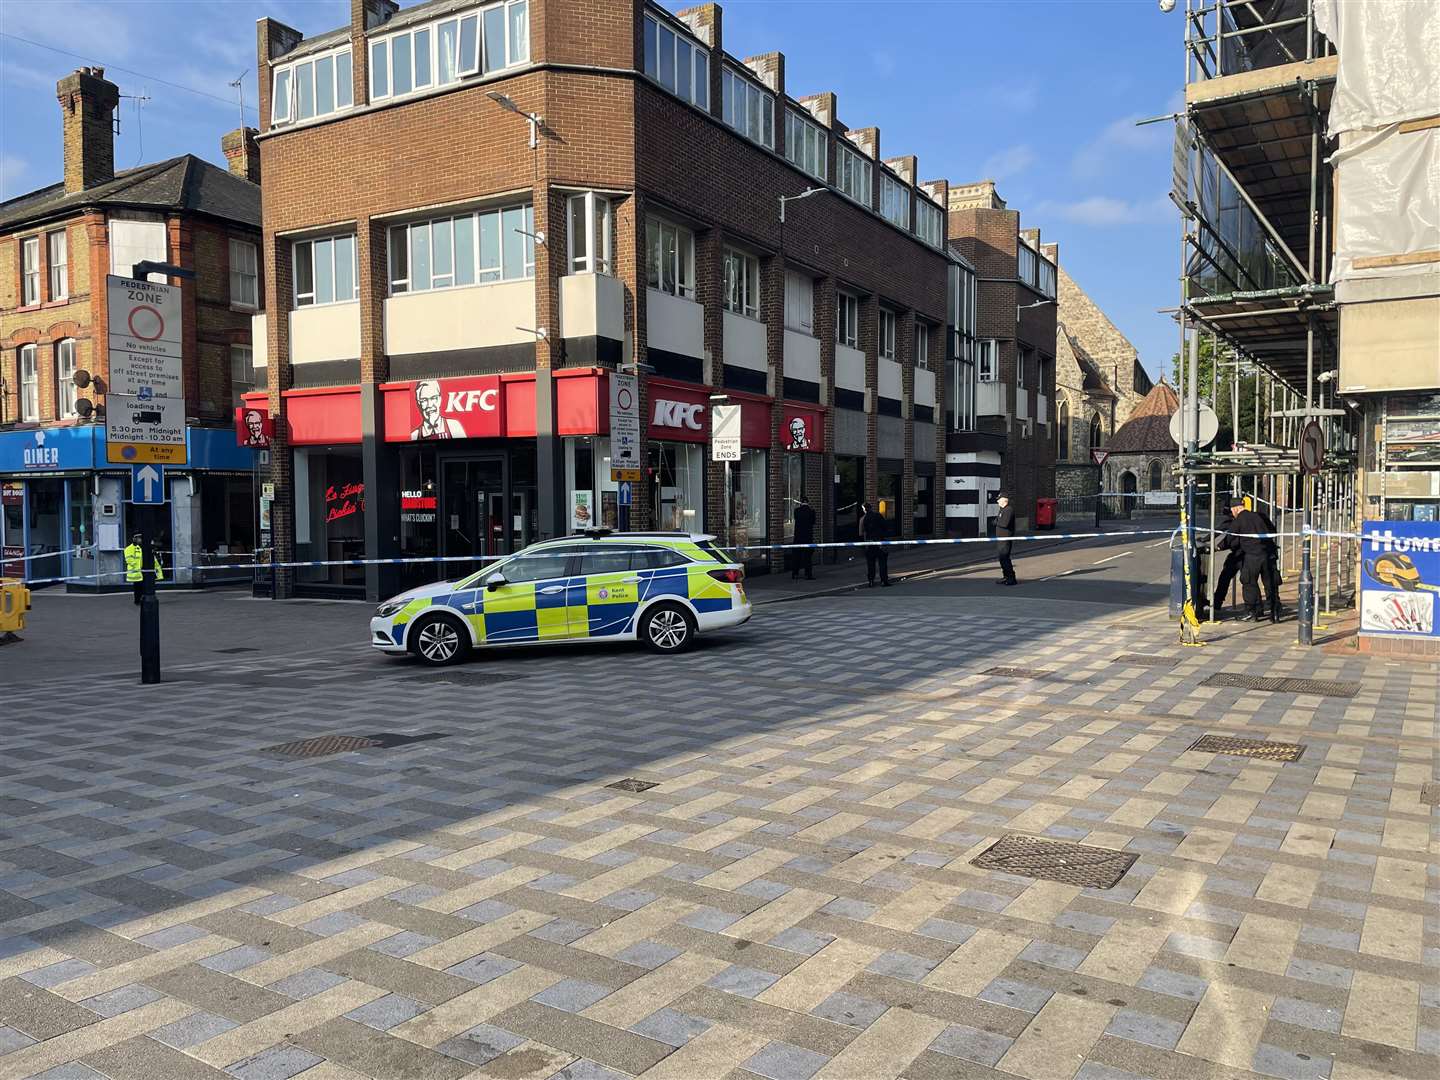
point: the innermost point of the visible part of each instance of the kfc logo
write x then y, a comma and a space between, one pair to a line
677, 414
253, 427
438, 408
799, 433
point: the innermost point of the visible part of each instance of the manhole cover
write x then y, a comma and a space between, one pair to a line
325, 745
1018, 673
1322, 687
1138, 660
631, 784
1253, 748
1430, 793
236, 649
1055, 860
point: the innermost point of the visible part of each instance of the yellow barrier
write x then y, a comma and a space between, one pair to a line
14, 602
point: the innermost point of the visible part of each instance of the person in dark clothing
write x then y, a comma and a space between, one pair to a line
873, 526
803, 558
1270, 575
1245, 536
1231, 569
1004, 527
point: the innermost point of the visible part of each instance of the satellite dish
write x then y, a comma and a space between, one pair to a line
81, 378
84, 407
1207, 428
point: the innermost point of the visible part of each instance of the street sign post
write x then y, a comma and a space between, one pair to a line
725, 433
1207, 425
624, 422
147, 485
1312, 448
626, 493
1098, 456
145, 400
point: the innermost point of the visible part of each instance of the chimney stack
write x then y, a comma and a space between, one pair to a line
242, 153
87, 102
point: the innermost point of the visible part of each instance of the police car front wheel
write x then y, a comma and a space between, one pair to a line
440, 640
668, 628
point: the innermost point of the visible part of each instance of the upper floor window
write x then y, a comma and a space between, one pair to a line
242, 371
29, 384
749, 109
1021, 363
894, 200
677, 63
922, 346
325, 270
1046, 280
799, 302
65, 391
1025, 264
742, 283
929, 222
887, 334
988, 356
443, 253
590, 240
316, 86
30, 271
847, 320
442, 52
670, 258
805, 144
852, 173
244, 274
58, 258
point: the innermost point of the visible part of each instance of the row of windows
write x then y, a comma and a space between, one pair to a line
468, 249
678, 64
748, 109
56, 250
805, 144
317, 86
64, 381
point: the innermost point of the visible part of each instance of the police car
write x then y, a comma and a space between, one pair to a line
660, 588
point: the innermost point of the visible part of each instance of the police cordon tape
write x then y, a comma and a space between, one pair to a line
1378, 538
47, 554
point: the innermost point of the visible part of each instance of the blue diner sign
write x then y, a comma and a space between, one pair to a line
1399, 577
48, 449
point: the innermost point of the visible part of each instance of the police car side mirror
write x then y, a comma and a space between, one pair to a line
495, 580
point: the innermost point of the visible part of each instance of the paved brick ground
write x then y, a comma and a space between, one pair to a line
795, 897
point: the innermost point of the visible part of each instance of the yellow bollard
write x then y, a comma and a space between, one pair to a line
14, 602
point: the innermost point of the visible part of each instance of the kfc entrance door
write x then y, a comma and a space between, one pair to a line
473, 512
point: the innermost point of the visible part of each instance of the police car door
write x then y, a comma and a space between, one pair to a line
604, 594
530, 605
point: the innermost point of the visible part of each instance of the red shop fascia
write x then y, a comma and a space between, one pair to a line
502, 406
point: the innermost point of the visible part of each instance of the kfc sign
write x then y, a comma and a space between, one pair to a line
803, 430
465, 408
678, 414
253, 427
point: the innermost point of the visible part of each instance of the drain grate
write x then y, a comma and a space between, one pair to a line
1018, 673
1430, 793
1055, 860
1322, 687
631, 784
1251, 748
325, 745
1140, 660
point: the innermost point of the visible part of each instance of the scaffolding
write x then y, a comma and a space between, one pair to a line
1254, 189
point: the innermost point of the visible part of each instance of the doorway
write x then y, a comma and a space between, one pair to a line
1127, 488
473, 512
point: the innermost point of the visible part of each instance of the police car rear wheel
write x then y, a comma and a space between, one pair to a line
668, 629
440, 640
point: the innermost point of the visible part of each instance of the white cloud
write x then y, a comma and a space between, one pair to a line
1104, 212
884, 61
1007, 162
1118, 139
12, 168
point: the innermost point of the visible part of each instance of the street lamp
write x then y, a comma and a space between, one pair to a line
793, 198
508, 104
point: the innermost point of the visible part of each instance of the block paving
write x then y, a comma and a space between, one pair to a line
794, 899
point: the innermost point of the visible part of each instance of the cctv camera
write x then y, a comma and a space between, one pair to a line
1167, 5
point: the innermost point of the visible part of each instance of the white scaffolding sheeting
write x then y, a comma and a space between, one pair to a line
1388, 51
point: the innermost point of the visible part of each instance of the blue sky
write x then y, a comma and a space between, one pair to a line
1039, 95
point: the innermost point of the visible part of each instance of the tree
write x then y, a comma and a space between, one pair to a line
1221, 397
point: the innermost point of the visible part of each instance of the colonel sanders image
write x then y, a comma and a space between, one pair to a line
432, 424
799, 435
255, 426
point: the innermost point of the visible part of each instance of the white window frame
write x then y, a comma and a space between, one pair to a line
799, 302
242, 359
244, 274
683, 266
285, 107
922, 345
599, 224
404, 238
928, 221
1045, 280
1020, 357
847, 319
748, 108
885, 343
806, 143
661, 35
308, 244
66, 392
894, 200
854, 175
742, 283
1025, 263
29, 384
987, 360
441, 71
30, 271
59, 265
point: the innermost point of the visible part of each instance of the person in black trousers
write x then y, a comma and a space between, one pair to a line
1233, 560
1245, 536
873, 526
1005, 527
803, 558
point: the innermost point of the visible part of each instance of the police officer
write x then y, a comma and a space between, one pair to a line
134, 561
873, 526
1005, 527
1270, 575
1245, 536
1233, 561
803, 558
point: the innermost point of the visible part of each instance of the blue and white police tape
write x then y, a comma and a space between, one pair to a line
44, 555
945, 541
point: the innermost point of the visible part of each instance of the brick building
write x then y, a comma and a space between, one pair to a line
57, 244
1014, 358
475, 213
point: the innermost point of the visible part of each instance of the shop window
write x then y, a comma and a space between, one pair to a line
678, 470
329, 514
227, 521
888, 487
748, 498
65, 390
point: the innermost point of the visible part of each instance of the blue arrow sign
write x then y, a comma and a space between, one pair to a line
624, 499
147, 485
